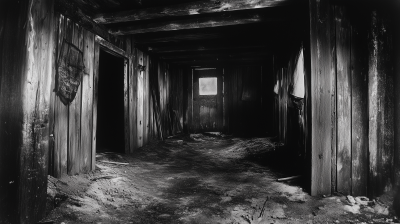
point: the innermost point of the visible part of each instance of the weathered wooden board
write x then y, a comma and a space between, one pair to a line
132, 98
396, 62
74, 120
189, 111
96, 59
321, 74
87, 103
344, 106
27, 65
127, 69
140, 104
196, 23
185, 9
359, 99
145, 99
380, 93
62, 111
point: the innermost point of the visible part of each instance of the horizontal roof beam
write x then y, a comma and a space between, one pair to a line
219, 20
187, 9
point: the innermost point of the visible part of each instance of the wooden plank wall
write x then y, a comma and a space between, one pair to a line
242, 116
27, 64
322, 72
361, 135
73, 124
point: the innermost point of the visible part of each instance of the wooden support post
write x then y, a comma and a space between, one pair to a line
27, 65
322, 72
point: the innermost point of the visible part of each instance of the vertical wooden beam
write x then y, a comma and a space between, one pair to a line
26, 61
396, 62
126, 98
132, 96
189, 111
74, 121
321, 74
380, 92
87, 103
140, 104
333, 104
359, 98
96, 59
343, 69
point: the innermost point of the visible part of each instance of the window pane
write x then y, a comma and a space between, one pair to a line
208, 86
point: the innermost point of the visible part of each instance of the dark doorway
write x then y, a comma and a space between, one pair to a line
110, 111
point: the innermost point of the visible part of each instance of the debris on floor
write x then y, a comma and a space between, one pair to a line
200, 178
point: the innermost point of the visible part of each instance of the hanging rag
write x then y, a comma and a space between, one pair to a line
70, 69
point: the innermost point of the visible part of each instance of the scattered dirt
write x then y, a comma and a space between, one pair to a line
200, 179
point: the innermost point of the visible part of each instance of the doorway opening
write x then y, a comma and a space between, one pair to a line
110, 110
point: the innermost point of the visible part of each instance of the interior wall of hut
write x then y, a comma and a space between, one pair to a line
352, 70
240, 104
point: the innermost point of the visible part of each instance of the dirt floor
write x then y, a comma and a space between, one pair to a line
202, 179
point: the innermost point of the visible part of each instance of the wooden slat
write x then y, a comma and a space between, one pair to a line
74, 120
133, 100
215, 21
64, 115
140, 103
380, 93
96, 58
145, 99
87, 104
126, 101
321, 74
186, 9
333, 106
189, 111
359, 128
343, 45
396, 83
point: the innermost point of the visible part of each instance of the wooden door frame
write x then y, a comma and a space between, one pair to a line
102, 44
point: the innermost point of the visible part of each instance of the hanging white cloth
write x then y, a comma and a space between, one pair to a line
276, 87
298, 77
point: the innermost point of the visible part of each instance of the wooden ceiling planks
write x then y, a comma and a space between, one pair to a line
187, 9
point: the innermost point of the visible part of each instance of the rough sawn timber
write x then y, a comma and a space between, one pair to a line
187, 9
321, 73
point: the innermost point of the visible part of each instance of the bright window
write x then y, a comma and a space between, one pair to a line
208, 86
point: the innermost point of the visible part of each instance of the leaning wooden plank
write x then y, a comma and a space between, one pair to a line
96, 59
359, 127
321, 73
343, 68
117, 163
74, 126
87, 103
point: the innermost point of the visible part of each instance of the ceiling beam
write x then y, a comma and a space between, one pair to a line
219, 20
186, 9
219, 54
71, 10
204, 47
